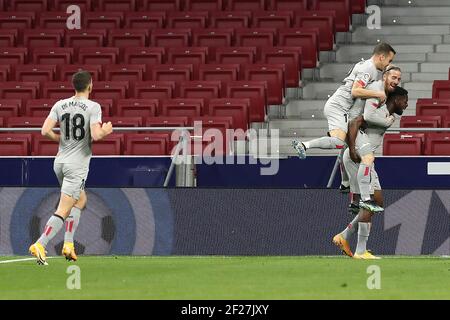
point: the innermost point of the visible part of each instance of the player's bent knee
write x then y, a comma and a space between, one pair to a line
368, 159
338, 133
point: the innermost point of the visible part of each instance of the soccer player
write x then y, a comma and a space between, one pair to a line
366, 142
80, 121
338, 106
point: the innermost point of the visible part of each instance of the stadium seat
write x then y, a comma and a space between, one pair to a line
342, 9
143, 55
42, 146
170, 38
441, 89
193, 55
255, 37
29, 5
8, 37
17, 20
273, 74
212, 39
290, 57
149, 144
19, 90
145, 20
56, 90
420, 121
200, 89
117, 5
322, 20
182, 108
85, 5
163, 121
14, 144
67, 71
106, 105
124, 121
433, 107
53, 20
43, 38
4, 72
39, 107
103, 56
25, 122
10, 108
13, 56
137, 107
272, 19
213, 142
219, 72
124, 38
243, 5
236, 55
85, 38
110, 90
109, 145
36, 73
307, 39
204, 5
437, 144
230, 19
292, 5
402, 145
103, 20
358, 6
154, 90
53, 56
128, 72
162, 5
256, 91
195, 19
238, 109
171, 72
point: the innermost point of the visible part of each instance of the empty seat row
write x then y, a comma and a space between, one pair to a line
434, 121
441, 89
416, 144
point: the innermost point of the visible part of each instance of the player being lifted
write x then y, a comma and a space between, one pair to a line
80, 121
337, 108
362, 144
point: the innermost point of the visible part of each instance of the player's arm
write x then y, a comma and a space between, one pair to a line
359, 91
47, 129
375, 116
353, 129
98, 132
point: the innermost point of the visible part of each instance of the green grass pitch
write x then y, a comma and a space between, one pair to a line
105, 277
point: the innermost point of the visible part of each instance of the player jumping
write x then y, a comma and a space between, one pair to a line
80, 121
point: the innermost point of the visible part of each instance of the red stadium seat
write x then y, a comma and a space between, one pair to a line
57, 90
342, 9
10, 108
441, 89
25, 122
13, 56
324, 21
196, 19
236, 55
67, 71
437, 144
110, 90
43, 38
420, 121
170, 38
163, 121
238, 109
4, 72
137, 107
433, 107
42, 146
8, 37
256, 91
149, 144
103, 20
292, 5
36, 73
143, 55
162, 5
117, 5
171, 72
256, 37
103, 56
212, 39
39, 107
182, 108
17, 20
14, 144
272, 19
402, 145
290, 57
129, 72
53, 20
106, 105
145, 20
273, 74
85, 5
204, 5
249, 5
124, 121
85, 38
358, 6
109, 145
307, 39
19, 90
219, 72
200, 89
154, 90
124, 38
54, 56
193, 55
230, 19
29, 5
215, 137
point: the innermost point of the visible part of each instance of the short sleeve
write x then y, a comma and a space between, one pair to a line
363, 77
54, 112
96, 114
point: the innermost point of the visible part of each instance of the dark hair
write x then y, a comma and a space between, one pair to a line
81, 80
383, 48
390, 68
398, 92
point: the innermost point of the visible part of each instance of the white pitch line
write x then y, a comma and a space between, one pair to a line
20, 260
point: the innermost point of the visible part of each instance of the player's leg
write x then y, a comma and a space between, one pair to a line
72, 222
345, 180
364, 177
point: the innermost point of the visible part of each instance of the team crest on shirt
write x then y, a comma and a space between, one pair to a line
366, 77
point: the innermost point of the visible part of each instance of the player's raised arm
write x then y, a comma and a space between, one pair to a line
375, 116
98, 131
359, 91
353, 128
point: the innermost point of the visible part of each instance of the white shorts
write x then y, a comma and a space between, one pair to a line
72, 178
352, 171
336, 116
